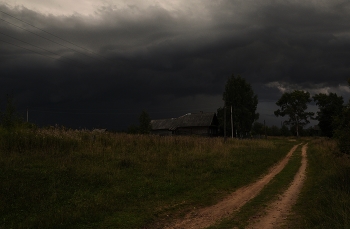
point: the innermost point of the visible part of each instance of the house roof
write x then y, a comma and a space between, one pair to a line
188, 120
163, 124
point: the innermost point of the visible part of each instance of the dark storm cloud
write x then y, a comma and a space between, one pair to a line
152, 57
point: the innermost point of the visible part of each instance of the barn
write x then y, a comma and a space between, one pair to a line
201, 124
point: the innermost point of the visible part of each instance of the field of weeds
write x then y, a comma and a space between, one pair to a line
56, 178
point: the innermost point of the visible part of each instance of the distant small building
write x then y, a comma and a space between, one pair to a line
202, 124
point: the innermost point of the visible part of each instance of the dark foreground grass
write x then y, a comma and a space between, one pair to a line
68, 179
325, 198
255, 208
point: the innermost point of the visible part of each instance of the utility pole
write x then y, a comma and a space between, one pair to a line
231, 122
27, 114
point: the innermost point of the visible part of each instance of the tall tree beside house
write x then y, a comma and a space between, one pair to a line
330, 106
240, 96
294, 105
145, 123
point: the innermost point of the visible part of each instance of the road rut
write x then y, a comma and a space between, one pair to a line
209, 215
278, 211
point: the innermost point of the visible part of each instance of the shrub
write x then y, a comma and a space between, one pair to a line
342, 132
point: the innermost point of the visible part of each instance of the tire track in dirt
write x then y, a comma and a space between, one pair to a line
209, 215
278, 210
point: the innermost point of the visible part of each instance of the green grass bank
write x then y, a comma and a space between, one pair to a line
325, 198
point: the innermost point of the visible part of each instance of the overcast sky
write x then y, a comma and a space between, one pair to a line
99, 63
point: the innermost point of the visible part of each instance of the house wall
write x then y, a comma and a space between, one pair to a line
202, 131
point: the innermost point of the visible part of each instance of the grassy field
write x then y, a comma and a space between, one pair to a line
325, 198
54, 178
67, 179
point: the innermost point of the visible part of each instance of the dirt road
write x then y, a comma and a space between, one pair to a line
277, 211
208, 216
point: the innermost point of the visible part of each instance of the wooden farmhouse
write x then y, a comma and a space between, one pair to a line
202, 124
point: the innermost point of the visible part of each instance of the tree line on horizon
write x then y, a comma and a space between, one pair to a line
240, 104
238, 117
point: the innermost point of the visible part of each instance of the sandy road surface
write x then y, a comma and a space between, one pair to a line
207, 216
278, 211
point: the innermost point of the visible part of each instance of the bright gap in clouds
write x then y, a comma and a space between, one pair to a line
341, 90
58, 7
91, 7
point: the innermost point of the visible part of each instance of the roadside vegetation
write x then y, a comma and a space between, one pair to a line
57, 178
325, 199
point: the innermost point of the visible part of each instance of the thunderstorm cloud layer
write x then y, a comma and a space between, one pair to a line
100, 63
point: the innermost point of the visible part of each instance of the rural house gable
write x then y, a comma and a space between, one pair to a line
203, 124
